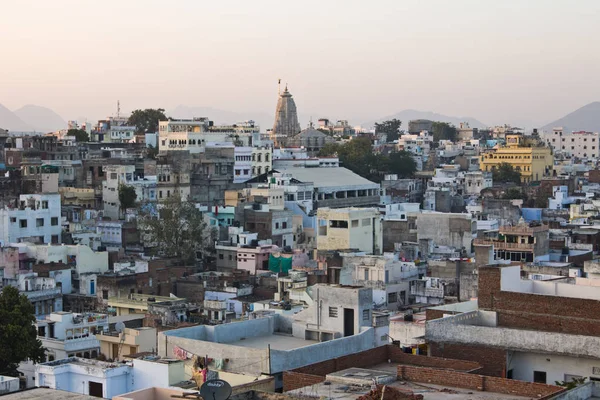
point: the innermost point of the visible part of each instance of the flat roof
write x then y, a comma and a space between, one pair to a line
328, 177
277, 342
46, 394
352, 383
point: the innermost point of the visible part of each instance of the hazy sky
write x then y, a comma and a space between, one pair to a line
498, 61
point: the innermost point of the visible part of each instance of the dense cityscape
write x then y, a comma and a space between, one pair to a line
162, 253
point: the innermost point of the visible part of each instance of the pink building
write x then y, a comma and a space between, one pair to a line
254, 259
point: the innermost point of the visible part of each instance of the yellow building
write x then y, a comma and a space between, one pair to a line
131, 341
529, 156
70, 196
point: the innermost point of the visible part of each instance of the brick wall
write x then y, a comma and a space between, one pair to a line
433, 314
396, 355
492, 361
534, 311
297, 380
390, 393
476, 382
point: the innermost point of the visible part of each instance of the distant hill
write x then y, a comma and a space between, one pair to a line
586, 118
10, 121
408, 115
41, 118
221, 116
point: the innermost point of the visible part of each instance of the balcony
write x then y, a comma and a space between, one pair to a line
74, 345
501, 245
218, 305
40, 295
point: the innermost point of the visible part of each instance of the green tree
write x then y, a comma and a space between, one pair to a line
147, 120
18, 336
505, 173
127, 197
178, 230
403, 164
357, 155
514, 193
391, 128
444, 131
80, 135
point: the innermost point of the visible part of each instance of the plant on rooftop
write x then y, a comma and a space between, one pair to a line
18, 336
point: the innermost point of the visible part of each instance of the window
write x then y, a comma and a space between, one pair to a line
160, 194
333, 312
44, 204
238, 172
13, 220
221, 256
54, 239
366, 222
54, 221
23, 223
539, 376
366, 274
355, 223
230, 257
276, 225
392, 297
366, 315
105, 294
39, 222
284, 225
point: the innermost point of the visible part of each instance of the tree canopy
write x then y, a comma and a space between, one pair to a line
80, 135
444, 131
18, 336
357, 155
178, 230
505, 173
391, 128
127, 196
147, 120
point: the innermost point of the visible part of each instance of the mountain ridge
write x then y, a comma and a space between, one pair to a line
586, 118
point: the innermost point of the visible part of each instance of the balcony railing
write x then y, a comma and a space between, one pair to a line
501, 245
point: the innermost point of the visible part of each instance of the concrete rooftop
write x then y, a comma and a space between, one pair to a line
352, 383
277, 342
46, 394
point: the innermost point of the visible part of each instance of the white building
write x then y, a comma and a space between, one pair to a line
262, 160
65, 334
81, 258
349, 228
580, 144
117, 175
194, 134
36, 219
107, 380
242, 167
476, 181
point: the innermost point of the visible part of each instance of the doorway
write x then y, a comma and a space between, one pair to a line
348, 322
95, 389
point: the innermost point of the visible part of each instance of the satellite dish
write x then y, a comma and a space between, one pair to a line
120, 326
215, 389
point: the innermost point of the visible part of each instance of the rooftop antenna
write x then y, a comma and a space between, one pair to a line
279, 87
118, 108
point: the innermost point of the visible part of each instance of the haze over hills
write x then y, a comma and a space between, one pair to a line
406, 115
10, 121
41, 118
586, 118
